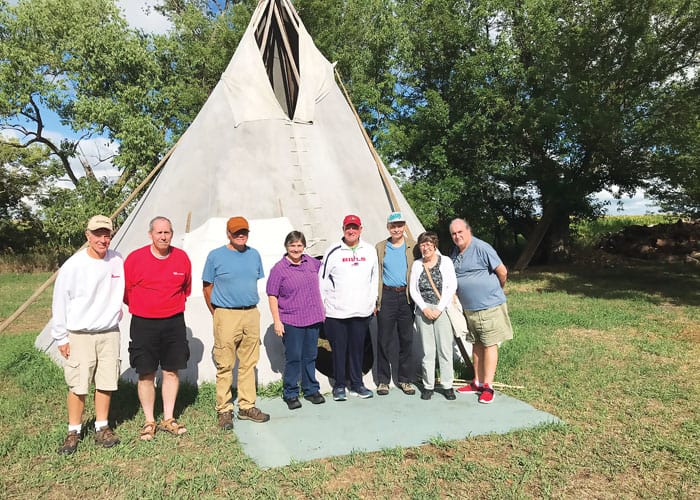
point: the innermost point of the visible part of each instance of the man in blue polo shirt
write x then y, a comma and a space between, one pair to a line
481, 277
230, 277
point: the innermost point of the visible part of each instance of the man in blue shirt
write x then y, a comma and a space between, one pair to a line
481, 277
230, 278
394, 310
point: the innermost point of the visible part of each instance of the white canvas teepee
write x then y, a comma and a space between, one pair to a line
277, 143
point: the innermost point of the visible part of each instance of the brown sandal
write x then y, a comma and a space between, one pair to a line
172, 427
148, 431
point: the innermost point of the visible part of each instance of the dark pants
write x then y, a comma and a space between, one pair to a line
300, 348
395, 337
347, 339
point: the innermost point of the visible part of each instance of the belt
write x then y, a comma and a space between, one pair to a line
397, 289
243, 308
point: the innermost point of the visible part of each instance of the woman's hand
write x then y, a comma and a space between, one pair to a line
431, 313
279, 328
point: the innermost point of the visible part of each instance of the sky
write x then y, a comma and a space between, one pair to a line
141, 15
631, 205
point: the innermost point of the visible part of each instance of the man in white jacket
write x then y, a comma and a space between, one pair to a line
87, 307
349, 281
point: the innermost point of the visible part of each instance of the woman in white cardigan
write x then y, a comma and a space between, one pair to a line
432, 285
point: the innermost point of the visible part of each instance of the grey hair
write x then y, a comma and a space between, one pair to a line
458, 219
293, 237
157, 218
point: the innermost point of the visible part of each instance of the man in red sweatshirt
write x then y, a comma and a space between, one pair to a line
158, 280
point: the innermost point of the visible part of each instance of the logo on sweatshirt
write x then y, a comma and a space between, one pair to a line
175, 273
354, 259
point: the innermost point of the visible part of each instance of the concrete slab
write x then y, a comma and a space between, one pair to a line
339, 428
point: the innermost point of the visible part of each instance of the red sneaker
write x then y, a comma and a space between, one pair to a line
470, 388
486, 395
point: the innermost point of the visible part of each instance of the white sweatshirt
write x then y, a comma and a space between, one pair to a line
88, 295
349, 280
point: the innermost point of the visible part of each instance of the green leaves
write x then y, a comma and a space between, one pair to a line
543, 103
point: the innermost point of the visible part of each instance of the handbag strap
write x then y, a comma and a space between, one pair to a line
430, 278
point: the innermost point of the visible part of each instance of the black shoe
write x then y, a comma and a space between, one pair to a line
315, 399
427, 394
449, 394
293, 403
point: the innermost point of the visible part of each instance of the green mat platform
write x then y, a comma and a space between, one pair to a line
339, 428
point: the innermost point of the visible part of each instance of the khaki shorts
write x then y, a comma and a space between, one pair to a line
93, 356
490, 326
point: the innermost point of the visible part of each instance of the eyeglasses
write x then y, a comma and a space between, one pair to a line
239, 234
426, 244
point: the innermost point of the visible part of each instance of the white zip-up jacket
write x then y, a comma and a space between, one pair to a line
349, 280
88, 295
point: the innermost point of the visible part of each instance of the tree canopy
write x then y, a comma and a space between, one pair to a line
528, 107
511, 113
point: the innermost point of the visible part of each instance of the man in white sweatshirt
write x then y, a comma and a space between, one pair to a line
87, 307
349, 281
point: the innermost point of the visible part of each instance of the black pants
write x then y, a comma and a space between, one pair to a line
395, 337
347, 339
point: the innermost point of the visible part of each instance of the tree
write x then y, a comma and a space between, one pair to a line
24, 175
78, 60
532, 107
676, 128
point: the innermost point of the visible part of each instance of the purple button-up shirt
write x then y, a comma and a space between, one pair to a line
297, 290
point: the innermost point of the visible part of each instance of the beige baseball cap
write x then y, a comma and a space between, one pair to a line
99, 222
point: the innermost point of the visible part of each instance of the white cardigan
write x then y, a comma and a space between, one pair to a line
449, 283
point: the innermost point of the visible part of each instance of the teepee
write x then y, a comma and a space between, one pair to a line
278, 143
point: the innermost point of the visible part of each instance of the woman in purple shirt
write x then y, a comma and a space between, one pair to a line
297, 310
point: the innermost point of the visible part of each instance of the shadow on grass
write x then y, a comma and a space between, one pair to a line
653, 282
125, 403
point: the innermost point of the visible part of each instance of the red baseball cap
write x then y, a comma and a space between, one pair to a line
352, 219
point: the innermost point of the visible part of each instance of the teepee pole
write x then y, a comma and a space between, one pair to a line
37, 293
287, 46
263, 41
292, 13
380, 165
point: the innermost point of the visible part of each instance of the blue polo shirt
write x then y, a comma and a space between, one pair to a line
234, 275
478, 287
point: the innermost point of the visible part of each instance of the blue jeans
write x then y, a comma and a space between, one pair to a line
300, 349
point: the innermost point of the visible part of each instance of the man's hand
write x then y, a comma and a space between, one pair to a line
64, 350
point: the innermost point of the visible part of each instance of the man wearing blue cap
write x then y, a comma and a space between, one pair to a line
394, 311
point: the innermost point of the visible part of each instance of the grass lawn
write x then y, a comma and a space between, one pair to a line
615, 353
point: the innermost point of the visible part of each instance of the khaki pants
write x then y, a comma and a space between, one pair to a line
236, 335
